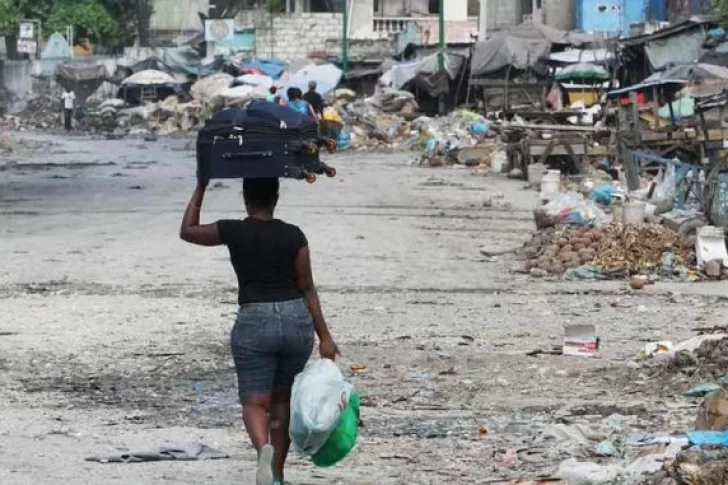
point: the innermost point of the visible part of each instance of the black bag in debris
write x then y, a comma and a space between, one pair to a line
262, 140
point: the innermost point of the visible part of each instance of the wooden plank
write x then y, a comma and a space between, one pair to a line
539, 150
565, 128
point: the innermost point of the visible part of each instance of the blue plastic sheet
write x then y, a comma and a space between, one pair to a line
343, 141
717, 33
479, 128
270, 67
702, 390
705, 438
602, 194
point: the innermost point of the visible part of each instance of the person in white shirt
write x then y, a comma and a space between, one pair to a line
69, 102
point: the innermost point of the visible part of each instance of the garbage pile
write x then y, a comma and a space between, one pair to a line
439, 139
387, 121
696, 465
708, 358
608, 251
38, 112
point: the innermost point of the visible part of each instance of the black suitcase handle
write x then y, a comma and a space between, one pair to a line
238, 156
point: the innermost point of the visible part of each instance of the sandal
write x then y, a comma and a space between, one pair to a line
264, 473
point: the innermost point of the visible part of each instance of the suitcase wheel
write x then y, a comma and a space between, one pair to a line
331, 146
310, 178
310, 148
330, 172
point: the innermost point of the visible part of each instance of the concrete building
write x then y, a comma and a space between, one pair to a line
308, 26
372, 28
177, 16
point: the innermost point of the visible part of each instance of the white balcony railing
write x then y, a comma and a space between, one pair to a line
392, 25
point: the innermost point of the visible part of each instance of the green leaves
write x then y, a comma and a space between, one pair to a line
114, 21
89, 18
9, 16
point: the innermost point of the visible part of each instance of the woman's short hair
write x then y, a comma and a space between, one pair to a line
294, 93
261, 192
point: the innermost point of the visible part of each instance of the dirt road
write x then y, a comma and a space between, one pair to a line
113, 332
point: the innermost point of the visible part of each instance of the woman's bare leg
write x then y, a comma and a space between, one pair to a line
256, 410
279, 422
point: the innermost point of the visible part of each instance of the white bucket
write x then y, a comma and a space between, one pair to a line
536, 172
710, 245
633, 213
551, 182
498, 161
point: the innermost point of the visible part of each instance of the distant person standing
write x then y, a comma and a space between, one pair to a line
69, 103
313, 98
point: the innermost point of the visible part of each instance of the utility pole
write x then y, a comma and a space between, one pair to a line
441, 56
483, 21
345, 38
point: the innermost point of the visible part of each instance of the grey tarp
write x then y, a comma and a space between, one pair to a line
701, 79
495, 54
521, 47
403, 73
81, 77
684, 47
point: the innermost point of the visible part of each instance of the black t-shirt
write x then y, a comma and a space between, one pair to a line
263, 254
315, 100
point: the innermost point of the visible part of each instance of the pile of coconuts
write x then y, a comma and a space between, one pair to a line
554, 251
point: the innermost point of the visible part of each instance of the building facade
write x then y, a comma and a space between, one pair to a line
177, 16
315, 26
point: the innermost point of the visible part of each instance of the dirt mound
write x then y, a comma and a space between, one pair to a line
703, 466
710, 360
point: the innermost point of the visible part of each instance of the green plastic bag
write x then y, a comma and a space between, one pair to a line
343, 438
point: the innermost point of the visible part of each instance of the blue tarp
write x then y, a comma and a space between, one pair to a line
708, 438
273, 68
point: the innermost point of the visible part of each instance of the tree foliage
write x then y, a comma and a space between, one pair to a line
9, 16
89, 18
115, 22
134, 17
721, 7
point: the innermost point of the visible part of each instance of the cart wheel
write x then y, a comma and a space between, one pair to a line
310, 178
331, 146
311, 148
330, 172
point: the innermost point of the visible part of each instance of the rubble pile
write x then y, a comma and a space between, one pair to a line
39, 112
440, 139
614, 250
710, 359
694, 466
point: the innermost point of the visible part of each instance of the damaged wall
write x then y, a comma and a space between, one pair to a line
178, 15
559, 14
293, 37
504, 13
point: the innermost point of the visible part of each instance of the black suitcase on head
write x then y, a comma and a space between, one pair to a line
262, 140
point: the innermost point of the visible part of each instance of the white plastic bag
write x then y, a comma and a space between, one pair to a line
666, 184
319, 396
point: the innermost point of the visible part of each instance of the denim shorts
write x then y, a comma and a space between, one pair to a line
271, 343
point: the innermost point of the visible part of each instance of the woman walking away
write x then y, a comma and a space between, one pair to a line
279, 311
295, 101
